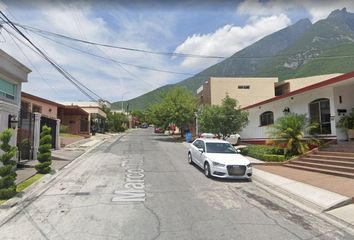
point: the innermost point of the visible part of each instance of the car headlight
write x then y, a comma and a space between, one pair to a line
249, 165
216, 164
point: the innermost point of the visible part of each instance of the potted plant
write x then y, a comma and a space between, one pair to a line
347, 124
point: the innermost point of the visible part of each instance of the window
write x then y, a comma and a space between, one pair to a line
199, 144
243, 86
36, 108
320, 113
266, 118
8, 90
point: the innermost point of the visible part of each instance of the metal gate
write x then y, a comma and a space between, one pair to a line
52, 123
25, 137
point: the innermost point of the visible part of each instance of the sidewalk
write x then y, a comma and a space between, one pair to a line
322, 193
61, 157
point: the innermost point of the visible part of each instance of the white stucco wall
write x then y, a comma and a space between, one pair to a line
5, 110
347, 94
298, 104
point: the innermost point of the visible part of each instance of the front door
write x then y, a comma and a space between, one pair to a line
320, 113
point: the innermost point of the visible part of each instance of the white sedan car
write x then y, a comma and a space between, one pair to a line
219, 158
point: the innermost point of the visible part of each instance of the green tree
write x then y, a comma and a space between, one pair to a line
289, 132
139, 115
157, 115
177, 106
117, 122
7, 171
223, 120
45, 154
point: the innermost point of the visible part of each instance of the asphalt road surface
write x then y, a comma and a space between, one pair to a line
140, 186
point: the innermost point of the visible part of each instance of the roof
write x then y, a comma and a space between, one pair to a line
328, 82
15, 61
72, 110
30, 96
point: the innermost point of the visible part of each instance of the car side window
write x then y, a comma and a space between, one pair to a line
197, 144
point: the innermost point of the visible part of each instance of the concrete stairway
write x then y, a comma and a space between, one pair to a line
335, 159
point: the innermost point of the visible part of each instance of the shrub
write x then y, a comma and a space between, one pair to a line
64, 128
45, 155
289, 132
265, 153
7, 171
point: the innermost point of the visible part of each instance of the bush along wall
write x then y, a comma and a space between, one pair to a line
7, 170
45, 154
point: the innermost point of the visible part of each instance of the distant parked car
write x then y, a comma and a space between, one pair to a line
219, 158
144, 125
158, 130
207, 135
234, 139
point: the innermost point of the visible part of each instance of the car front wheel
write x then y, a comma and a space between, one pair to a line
207, 170
190, 161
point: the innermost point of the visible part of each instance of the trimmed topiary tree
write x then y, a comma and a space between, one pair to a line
45, 154
7, 170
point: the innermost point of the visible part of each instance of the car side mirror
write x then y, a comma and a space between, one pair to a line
201, 150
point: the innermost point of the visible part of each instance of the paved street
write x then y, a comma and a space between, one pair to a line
140, 186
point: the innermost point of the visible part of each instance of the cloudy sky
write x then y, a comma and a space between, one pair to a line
210, 28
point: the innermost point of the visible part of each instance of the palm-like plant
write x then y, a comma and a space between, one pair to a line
289, 132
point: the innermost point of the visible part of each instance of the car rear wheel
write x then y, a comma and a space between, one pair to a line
190, 161
207, 170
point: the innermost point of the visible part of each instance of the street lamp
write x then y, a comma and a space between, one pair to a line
122, 99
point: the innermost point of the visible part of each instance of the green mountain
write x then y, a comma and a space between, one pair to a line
302, 49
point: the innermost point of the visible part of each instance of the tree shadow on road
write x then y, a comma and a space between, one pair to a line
163, 138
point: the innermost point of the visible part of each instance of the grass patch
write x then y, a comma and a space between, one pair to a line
2, 201
22, 186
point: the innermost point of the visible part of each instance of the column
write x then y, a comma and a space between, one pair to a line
57, 133
36, 134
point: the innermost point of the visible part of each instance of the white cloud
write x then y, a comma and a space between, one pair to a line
104, 77
229, 39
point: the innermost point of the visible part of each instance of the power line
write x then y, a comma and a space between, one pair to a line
33, 29
174, 54
68, 76
29, 60
116, 61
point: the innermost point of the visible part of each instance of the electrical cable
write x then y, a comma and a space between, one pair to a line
53, 63
31, 63
174, 54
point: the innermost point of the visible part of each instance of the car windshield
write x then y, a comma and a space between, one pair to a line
220, 148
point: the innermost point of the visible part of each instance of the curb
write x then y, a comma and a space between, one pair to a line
14, 205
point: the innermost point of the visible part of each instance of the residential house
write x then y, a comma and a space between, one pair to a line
96, 119
12, 75
247, 90
75, 119
47, 112
323, 98
324, 102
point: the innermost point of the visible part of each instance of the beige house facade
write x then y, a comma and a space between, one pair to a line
246, 90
